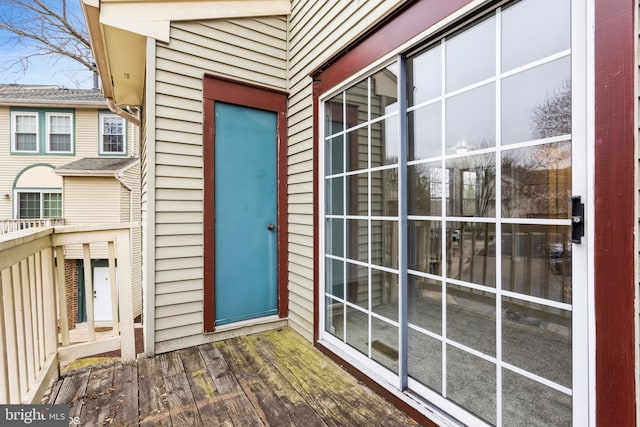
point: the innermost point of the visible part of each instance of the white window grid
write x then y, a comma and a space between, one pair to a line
24, 123
59, 130
497, 221
112, 134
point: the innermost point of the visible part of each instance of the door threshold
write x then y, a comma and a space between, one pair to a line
247, 327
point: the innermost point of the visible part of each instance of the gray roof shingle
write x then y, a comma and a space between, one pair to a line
42, 94
95, 164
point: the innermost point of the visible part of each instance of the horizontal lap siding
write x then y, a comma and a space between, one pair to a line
131, 177
252, 50
318, 30
85, 145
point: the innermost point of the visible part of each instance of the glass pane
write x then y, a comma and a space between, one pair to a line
357, 192
384, 294
26, 123
28, 205
425, 136
357, 103
425, 189
536, 261
113, 144
471, 383
384, 243
60, 142
534, 29
334, 277
471, 186
334, 197
471, 318
358, 330
384, 91
334, 155
358, 239
527, 402
471, 252
536, 181
384, 344
425, 303
425, 246
537, 103
26, 142
425, 360
471, 120
60, 124
424, 76
51, 205
384, 142
357, 149
113, 125
384, 192
358, 285
334, 322
537, 339
334, 115
334, 231
471, 55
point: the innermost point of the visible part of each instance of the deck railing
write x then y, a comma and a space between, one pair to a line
11, 225
34, 324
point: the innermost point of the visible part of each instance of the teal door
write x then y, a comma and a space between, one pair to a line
245, 213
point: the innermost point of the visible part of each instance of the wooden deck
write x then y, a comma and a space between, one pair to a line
274, 378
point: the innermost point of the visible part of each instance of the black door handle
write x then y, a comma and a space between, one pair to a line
577, 219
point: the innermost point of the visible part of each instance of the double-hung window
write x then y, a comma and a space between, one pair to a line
112, 134
24, 137
59, 133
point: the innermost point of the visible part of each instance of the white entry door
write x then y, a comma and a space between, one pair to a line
102, 294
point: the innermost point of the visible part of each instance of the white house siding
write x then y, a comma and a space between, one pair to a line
252, 50
318, 29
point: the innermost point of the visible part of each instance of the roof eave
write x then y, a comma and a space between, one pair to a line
46, 103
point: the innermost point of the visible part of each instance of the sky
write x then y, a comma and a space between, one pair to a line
50, 70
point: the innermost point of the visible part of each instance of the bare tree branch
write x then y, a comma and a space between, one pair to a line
48, 28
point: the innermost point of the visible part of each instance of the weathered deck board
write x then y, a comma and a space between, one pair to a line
274, 378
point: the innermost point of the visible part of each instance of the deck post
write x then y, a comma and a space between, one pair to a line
125, 296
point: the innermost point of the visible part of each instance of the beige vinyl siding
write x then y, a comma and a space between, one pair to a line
253, 50
86, 145
318, 30
131, 177
90, 200
7, 176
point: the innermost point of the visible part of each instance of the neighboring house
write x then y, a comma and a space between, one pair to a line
68, 160
394, 181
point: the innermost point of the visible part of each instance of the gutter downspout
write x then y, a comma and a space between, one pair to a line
122, 113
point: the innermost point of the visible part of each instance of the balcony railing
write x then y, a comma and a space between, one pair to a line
11, 225
34, 324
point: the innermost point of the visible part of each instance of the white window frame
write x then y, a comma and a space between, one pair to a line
583, 389
49, 115
42, 192
14, 115
102, 134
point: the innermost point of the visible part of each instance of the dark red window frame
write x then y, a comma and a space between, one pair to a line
614, 218
223, 89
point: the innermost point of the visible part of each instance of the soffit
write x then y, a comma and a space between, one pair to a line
119, 29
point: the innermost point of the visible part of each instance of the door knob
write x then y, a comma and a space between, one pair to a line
271, 227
